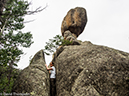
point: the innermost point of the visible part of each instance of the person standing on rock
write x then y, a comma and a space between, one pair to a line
52, 72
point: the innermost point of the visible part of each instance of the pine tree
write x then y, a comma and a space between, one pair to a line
12, 39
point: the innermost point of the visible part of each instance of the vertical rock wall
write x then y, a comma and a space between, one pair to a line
34, 79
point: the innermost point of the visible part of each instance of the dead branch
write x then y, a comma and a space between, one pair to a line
36, 10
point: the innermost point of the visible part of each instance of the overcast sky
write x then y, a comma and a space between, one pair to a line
108, 24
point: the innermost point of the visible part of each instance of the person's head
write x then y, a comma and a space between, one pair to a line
51, 64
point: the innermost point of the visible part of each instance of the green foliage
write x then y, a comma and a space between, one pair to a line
13, 13
66, 42
5, 86
11, 38
54, 43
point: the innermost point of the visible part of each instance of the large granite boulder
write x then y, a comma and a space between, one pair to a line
34, 79
91, 70
74, 21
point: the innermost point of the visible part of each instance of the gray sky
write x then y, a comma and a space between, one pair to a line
108, 24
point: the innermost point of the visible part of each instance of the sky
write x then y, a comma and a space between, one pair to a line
108, 24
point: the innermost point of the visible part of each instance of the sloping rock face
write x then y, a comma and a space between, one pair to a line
91, 70
34, 79
74, 21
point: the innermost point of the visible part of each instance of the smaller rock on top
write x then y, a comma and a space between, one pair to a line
74, 21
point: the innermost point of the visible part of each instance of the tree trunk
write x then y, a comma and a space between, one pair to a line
2, 4
10, 71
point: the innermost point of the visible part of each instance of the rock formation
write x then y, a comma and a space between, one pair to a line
83, 69
68, 36
34, 79
91, 70
74, 21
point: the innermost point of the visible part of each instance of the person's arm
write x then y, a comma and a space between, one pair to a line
48, 68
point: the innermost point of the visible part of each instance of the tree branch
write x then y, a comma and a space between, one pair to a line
36, 10
29, 21
2, 30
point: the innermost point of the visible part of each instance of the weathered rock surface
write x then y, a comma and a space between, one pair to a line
74, 21
34, 79
68, 36
91, 70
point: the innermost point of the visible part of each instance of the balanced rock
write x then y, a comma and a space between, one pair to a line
34, 80
91, 70
74, 21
